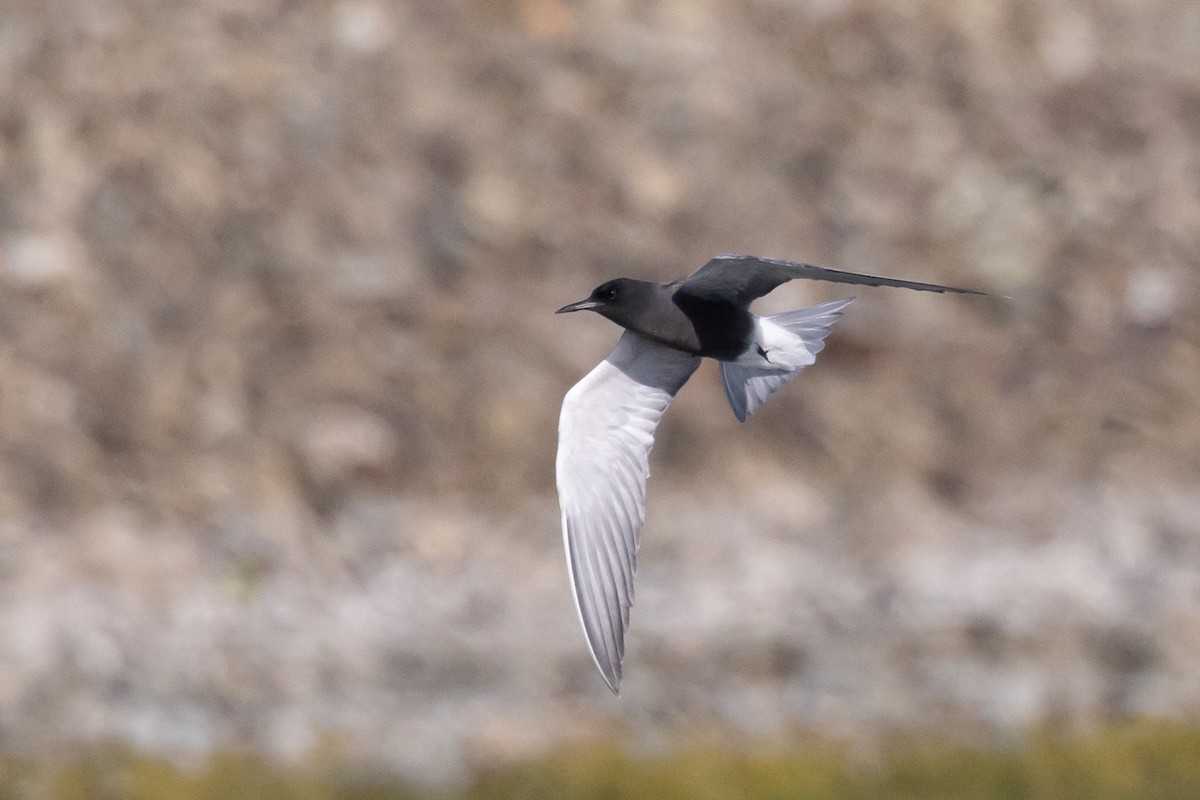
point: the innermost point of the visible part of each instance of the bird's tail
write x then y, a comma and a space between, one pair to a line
805, 329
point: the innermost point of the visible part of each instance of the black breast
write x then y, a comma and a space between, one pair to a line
724, 329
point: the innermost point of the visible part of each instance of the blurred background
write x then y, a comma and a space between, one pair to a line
280, 377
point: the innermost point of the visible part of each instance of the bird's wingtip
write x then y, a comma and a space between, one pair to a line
612, 680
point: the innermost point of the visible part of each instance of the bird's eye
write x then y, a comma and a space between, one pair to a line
609, 294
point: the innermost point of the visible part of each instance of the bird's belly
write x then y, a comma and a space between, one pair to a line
715, 329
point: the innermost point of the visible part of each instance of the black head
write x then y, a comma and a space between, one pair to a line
621, 300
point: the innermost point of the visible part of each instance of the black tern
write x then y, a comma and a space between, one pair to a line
608, 419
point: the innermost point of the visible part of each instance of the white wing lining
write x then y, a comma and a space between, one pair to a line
605, 434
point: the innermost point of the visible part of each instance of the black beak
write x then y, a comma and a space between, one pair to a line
580, 306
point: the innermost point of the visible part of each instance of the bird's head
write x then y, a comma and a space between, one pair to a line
621, 300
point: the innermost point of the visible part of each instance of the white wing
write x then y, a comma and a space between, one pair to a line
605, 434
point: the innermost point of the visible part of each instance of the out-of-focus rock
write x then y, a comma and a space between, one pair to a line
1151, 297
337, 441
364, 26
38, 260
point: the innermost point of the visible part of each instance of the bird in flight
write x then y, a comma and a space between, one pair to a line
608, 419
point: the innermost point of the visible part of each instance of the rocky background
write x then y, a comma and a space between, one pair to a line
280, 373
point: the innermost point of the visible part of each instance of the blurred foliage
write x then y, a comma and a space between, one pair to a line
1138, 760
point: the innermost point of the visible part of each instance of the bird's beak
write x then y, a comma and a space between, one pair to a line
580, 306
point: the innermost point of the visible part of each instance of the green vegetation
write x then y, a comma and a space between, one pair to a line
1141, 760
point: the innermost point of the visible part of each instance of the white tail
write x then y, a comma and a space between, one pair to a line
748, 387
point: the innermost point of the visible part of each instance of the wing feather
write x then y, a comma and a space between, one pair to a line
746, 278
605, 434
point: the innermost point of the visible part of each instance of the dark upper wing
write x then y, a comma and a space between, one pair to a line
742, 279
